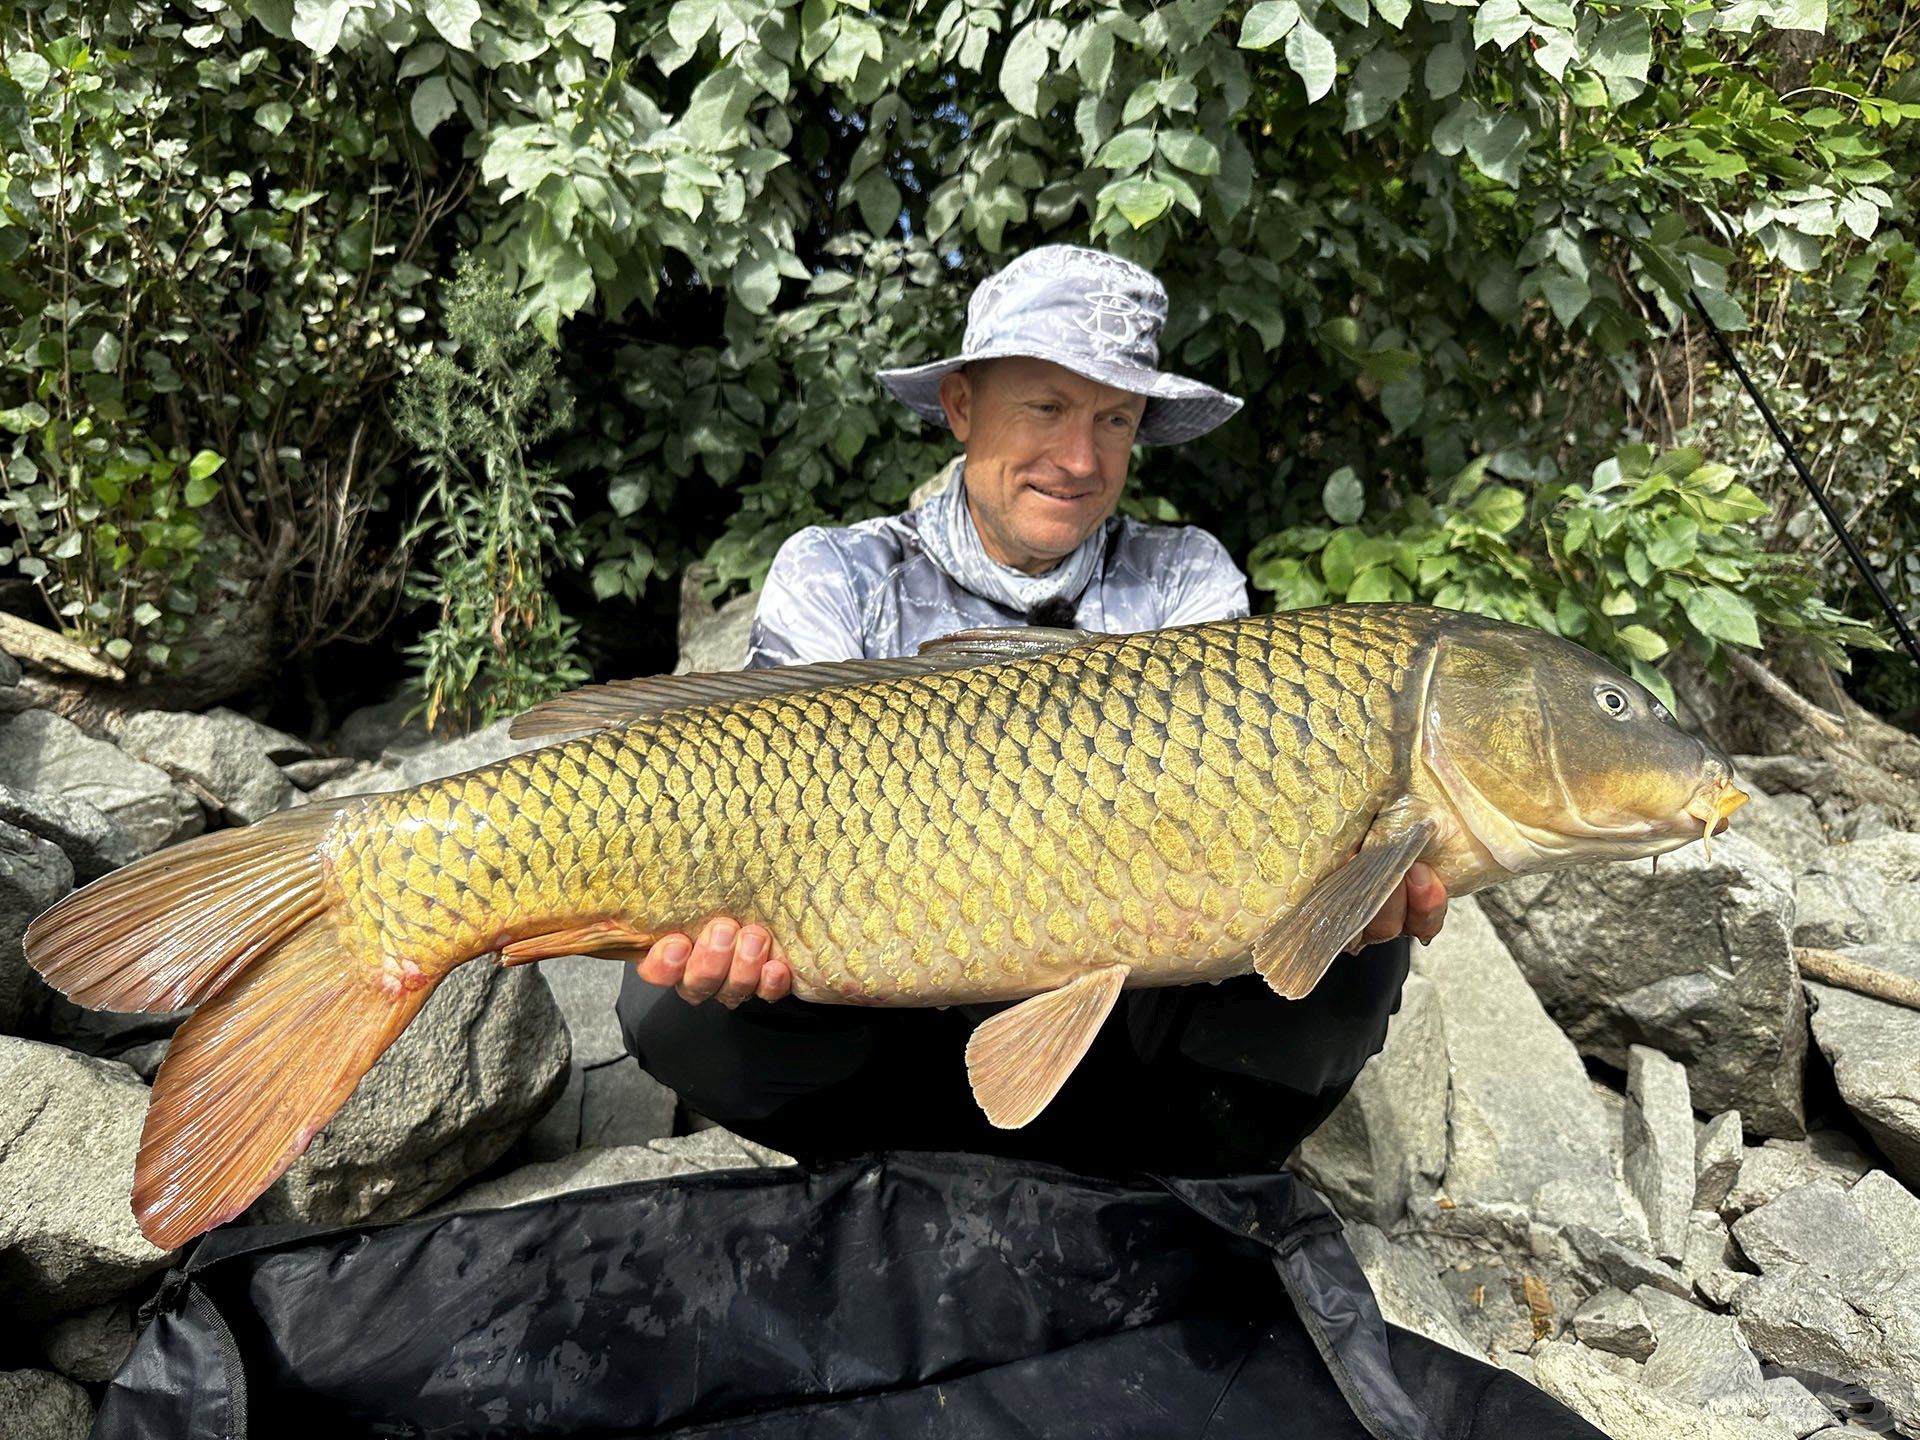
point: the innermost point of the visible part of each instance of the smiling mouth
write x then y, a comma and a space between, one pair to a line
1064, 496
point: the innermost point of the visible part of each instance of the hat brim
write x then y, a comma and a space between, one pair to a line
1177, 408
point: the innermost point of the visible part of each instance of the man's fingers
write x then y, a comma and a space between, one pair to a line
666, 960
743, 976
1426, 902
776, 980
1391, 920
712, 958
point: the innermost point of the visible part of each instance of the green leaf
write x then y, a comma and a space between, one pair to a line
1446, 65
1567, 294
1641, 643
1126, 150
1344, 497
1024, 68
1191, 152
106, 353
1623, 49
1372, 585
1722, 615
145, 613
756, 281
432, 103
879, 201
273, 116
454, 19
22, 418
1499, 23
1140, 201
1654, 681
1268, 23
1379, 80
30, 71
1310, 54
1498, 151
1337, 560
316, 23
1497, 508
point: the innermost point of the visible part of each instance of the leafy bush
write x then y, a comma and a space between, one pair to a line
493, 517
1658, 552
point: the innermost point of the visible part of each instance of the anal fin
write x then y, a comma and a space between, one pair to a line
1297, 949
1018, 1060
614, 939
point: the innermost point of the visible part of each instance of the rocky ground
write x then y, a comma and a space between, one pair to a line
1615, 1141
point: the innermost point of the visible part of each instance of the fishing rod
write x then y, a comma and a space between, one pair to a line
1806, 478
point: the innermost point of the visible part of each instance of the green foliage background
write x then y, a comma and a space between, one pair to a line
1442, 249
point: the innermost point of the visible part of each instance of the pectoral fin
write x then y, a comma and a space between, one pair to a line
1018, 1060
1296, 951
614, 939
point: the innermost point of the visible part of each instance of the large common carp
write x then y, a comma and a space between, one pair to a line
1012, 813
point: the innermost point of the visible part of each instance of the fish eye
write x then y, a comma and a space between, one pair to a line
1613, 700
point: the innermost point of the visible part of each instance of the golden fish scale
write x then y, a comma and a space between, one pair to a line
979, 834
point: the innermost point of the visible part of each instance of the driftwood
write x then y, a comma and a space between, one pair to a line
1830, 967
40, 646
1827, 723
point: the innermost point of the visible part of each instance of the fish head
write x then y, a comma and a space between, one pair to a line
1549, 756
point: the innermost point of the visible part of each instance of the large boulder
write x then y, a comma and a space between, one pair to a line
92, 843
1695, 961
43, 752
227, 756
1525, 1127
1387, 1139
1582, 1380
1874, 1048
484, 1058
36, 1405
439, 759
69, 1129
33, 874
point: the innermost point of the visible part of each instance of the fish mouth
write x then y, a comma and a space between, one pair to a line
1711, 807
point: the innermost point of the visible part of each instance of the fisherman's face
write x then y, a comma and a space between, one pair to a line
1047, 453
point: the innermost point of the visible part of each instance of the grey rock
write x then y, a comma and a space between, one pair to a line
1607, 1262
1408, 1287
317, 770
9, 671
469, 752
483, 1059
383, 729
1786, 825
1524, 1124
1388, 1137
92, 1345
1624, 1410
1778, 1166
1695, 961
1894, 856
1718, 1287
585, 988
712, 639
69, 1127
108, 1034
1870, 1339
92, 843
1874, 1048
1711, 1255
557, 1132
1814, 1228
1700, 1358
364, 778
1659, 1161
1716, 1160
1795, 1406
589, 1169
1615, 1322
1489, 1299
1892, 1213
1839, 908
43, 752
225, 754
37, 1405
33, 874
144, 1059
1806, 775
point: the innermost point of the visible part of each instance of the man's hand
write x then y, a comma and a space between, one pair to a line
729, 963
1418, 908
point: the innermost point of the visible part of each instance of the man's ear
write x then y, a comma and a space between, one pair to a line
956, 398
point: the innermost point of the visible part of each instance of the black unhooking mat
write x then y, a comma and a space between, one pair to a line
902, 1295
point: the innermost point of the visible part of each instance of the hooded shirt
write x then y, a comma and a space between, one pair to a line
883, 587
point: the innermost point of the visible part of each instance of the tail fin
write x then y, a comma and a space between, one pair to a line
294, 1010
171, 929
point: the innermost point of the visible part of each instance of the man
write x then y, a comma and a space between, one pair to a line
1056, 382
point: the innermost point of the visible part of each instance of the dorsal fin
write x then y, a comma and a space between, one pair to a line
619, 702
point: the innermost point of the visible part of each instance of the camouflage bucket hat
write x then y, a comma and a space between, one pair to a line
1097, 315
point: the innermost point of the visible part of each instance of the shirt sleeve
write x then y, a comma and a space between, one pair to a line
1203, 582
808, 608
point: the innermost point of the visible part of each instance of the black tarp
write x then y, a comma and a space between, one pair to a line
900, 1295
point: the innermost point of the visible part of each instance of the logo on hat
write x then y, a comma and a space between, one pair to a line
1109, 319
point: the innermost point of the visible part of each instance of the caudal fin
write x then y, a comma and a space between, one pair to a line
292, 1011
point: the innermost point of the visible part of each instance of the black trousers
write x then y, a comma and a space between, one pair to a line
1190, 1080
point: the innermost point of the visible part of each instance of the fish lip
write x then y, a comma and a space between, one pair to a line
1710, 806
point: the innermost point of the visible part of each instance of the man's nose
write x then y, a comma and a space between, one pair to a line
1075, 453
